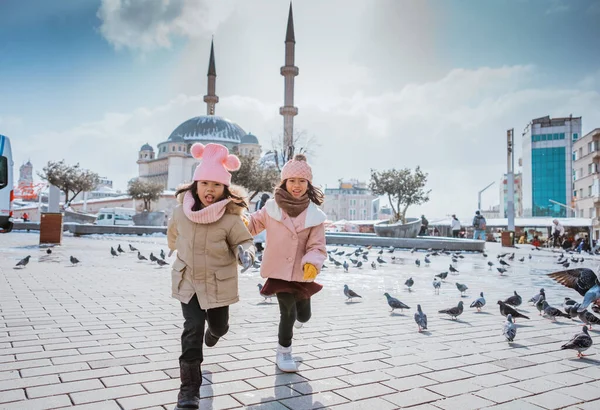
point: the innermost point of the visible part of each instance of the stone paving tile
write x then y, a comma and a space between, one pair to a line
313, 401
92, 374
11, 374
61, 388
582, 392
28, 382
367, 404
590, 405
256, 396
42, 403
454, 388
502, 394
552, 400
276, 380
365, 378
412, 397
108, 394
364, 391
103, 405
463, 402
114, 381
11, 395
515, 405
448, 375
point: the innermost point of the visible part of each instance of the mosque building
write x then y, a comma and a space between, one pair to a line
171, 162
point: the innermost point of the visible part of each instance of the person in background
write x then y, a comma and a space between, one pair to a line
479, 226
25, 217
424, 226
455, 224
557, 232
260, 240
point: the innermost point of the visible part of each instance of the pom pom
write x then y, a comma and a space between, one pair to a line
232, 163
300, 157
197, 150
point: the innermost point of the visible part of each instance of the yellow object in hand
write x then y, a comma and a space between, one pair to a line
310, 272
246, 220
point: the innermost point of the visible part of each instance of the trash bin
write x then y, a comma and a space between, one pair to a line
51, 225
508, 238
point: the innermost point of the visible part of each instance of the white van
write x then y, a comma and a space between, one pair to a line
7, 194
115, 216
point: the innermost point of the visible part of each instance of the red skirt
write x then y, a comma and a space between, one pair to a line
301, 290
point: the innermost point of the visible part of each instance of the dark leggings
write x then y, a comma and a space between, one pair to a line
291, 310
193, 328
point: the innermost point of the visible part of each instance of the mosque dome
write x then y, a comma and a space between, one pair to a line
146, 147
208, 128
249, 139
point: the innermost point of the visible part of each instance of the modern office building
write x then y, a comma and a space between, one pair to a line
548, 166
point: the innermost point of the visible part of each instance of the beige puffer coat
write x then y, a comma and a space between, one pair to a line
207, 263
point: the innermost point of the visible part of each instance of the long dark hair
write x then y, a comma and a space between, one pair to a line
193, 188
314, 194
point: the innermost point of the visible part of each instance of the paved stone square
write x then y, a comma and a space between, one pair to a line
105, 335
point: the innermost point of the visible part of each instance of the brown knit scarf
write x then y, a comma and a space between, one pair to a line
292, 206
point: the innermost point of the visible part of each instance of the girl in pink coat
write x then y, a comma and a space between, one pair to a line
296, 252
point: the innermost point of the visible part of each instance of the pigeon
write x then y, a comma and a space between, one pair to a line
260, 287
583, 280
462, 288
514, 300
354, 261
503, 263
113, 252
141, 257
501, 271
580, 342
566, 264
479, 302
345, 265
502, 255
340, 253
571, 310
454, 260
380, 252
395, 303
588, 318
161, 262
350, 294
119, 249
455, 311
48, 251
152, 257
409, 282
359, 264
596, 308
485, 255
380, 260
505, 310
453, 269
553, 312
413, 250
391, 249
162, 254
373, 265
418, 263
337, 263
23, 262
259, 257
511, 257
509, 330
539, 305
421, 319
73, 260
460, 256
537, 297
427, 261
490, 264
522, 259
132, 249
569, 302
436, 285
442, 275
365, 257
330, 258
530, 256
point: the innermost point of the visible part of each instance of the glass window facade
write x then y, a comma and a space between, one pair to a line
549, 137
548, 181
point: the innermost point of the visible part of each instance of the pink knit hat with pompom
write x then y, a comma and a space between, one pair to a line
297, 168
216, 163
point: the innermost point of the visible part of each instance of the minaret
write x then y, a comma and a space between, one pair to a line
289, 71
211, 99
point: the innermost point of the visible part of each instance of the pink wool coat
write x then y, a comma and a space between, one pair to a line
292, 242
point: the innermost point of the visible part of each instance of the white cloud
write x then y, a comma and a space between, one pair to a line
558, 6
454, 128
151, 24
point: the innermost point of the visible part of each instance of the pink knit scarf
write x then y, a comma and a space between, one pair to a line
208, 215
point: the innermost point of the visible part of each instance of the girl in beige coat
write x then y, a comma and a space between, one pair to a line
211, 239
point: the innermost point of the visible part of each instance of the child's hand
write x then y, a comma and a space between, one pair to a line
310, 272
245, 258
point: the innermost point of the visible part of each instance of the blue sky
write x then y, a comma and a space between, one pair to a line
81, 74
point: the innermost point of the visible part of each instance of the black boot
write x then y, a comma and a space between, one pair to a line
209, 339
191, 380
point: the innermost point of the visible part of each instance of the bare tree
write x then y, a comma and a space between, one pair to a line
70, 179
303, 144
254, 176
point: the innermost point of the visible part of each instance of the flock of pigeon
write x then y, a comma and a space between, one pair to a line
583, 280
160, 261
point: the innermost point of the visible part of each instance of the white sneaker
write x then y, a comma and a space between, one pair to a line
284, 359
298, 325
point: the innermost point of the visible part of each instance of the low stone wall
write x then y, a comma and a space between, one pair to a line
421, 242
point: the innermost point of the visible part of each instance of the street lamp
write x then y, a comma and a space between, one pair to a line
564, 206
479, 195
